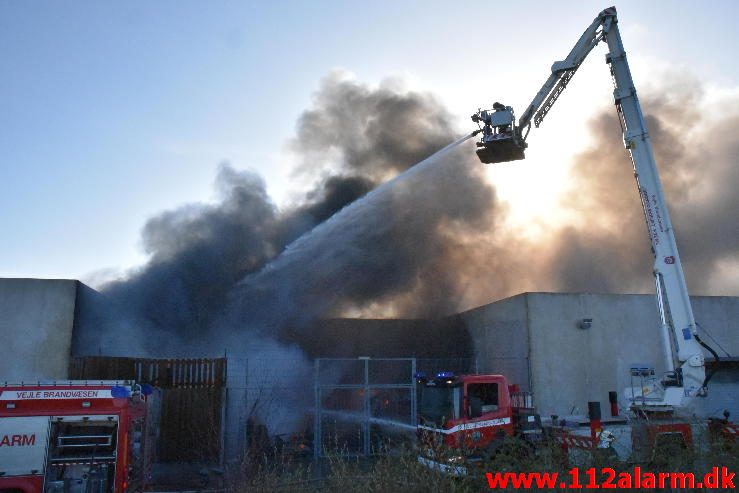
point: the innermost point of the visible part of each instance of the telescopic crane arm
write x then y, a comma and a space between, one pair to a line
562, 72
504, 140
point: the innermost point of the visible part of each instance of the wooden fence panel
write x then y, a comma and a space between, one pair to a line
191, 425
192, 399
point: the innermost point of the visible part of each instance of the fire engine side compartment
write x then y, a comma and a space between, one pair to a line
23, 444
70, 436
83, 453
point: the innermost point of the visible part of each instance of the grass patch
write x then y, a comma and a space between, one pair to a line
399, 470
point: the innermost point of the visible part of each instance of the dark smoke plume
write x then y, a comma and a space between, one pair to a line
352, 139
384, 244
433, 244
246, 275
698, 158
374, 133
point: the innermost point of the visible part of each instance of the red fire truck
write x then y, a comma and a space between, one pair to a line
74, 436
469, 416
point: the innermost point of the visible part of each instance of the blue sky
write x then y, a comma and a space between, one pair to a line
115, 111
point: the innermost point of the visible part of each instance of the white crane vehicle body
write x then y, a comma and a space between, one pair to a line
504, 140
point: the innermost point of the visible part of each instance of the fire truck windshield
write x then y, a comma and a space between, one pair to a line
439, 404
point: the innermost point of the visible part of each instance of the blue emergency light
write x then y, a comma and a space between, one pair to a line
445, 374
119, 392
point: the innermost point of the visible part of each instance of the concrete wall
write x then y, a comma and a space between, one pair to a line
718, 317
36, 324
500, 336
535, 340
532, 338
570, 365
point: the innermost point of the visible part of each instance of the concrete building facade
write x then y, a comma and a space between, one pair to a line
36, 325
538, 340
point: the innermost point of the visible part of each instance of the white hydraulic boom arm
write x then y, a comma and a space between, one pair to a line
504, 140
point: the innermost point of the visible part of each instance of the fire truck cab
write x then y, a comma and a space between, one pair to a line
470, 414
74, 436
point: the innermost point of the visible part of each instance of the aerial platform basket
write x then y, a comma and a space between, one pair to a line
500, 149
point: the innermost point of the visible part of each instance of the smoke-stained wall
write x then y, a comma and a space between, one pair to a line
445, 337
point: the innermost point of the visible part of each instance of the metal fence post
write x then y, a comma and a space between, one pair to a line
225, 396
245, 437
367, 410
414, 410
317, 435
